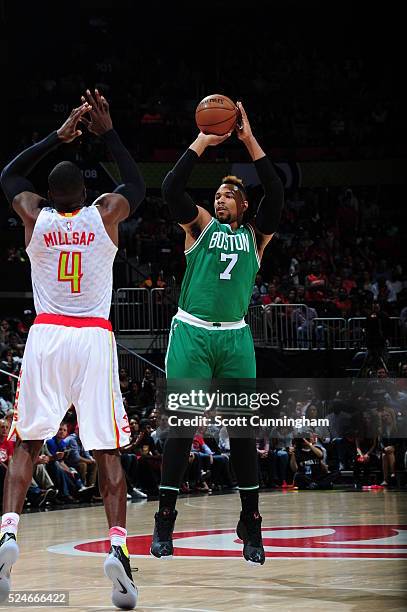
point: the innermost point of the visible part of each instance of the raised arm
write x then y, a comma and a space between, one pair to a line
19, 191
132, 187
270, 207
183, 210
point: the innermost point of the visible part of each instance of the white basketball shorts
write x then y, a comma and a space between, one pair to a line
71, 360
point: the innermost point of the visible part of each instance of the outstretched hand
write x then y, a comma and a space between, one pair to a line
243, 129
68, 130
211, 140
100, 120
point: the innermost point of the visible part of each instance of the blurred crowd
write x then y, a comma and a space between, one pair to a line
303, 85
363, 444
338, 250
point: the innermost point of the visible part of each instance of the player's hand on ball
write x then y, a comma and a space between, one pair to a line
69, 129
211, 140
243, 129
99, 120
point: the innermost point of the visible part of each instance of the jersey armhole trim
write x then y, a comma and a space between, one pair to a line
27, 248
188, 251
255, 244
97, 208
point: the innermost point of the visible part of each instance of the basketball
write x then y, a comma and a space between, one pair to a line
216, 114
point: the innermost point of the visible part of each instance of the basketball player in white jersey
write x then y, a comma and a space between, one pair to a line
70, 355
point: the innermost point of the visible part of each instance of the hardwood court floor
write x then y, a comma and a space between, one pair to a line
334, 522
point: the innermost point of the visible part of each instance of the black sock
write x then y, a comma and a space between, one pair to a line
250, 501
167, 499
243, 453
174, 464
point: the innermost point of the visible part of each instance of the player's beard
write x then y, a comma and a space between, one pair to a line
226, 216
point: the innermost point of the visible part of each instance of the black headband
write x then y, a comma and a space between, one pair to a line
237, 188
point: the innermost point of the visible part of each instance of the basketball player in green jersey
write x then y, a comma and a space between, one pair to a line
209, 337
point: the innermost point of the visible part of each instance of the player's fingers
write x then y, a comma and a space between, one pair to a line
85, 108
224, 137
105, 103
91, 99
242, 110
98, 98
77, 112
87, 97
85, 121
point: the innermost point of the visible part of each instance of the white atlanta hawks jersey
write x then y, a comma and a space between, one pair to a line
71, 258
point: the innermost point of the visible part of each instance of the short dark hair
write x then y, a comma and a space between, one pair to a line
66, 179
145, 423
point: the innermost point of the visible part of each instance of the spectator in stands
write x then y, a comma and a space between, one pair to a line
67, 478
272, 296
8, 363
280, 441
8, 416
129, 460
343, 303
303, 320
125, 382
41, 475
306, 461
376, 329
322, 432
221, 472
367, 451
148, 457
23, 327
315, 284
4, 334
82, 461
259, 290
134, 399
383, 291
339, 425
160, 435
204, 458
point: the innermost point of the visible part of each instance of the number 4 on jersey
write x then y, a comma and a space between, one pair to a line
226, 275
74, 274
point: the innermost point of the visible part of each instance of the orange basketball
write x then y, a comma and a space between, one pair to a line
216, 114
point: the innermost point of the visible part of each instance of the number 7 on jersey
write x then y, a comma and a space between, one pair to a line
226, 274
74, 274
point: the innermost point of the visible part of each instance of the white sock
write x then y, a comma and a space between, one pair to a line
9, 523
117, 536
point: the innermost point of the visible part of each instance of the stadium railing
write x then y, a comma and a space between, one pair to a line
284, 326
136, 364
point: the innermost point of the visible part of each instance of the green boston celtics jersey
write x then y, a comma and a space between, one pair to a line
221, 270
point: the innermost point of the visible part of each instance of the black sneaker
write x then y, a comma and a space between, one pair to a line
249, 531
45, 497
161, 546
8, 556
117, 569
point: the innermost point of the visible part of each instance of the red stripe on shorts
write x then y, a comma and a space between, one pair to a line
54, 319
